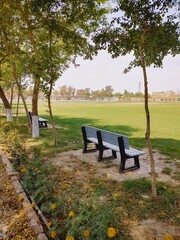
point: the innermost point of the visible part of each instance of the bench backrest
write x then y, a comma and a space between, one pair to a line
90, 131
112, 138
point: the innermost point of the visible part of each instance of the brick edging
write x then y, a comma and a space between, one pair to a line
28, 210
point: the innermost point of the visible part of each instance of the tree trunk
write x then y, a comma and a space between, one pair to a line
6, 105
50, 91
17, 108
26, 16
12, 94
35, 122
22, 96
147, 134
52, 121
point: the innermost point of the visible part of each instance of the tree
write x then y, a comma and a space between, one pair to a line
149, 30
109, 92
72, 23
83, 93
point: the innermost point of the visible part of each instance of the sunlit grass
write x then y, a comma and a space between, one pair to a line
125, 118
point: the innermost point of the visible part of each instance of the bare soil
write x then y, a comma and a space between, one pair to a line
85, 166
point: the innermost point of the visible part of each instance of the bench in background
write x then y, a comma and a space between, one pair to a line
115, 142
42, 121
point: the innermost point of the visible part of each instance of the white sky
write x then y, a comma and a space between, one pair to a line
104, 70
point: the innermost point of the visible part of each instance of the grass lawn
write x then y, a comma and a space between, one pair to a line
124, 118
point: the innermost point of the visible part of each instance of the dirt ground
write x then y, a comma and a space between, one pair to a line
13, 222
148, 229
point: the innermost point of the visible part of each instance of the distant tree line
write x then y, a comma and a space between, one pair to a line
66, 93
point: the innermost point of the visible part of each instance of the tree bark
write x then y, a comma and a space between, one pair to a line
50, 91
22, 96
12, 94
35, 122
6, 105
147, 134
17, 107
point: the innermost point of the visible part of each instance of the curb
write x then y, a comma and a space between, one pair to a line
28, 210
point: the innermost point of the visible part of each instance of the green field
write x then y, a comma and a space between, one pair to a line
124, 118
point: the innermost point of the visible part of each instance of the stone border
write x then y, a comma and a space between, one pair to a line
28, 210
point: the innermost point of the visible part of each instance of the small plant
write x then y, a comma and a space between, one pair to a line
137, 187
93, 220
167, 171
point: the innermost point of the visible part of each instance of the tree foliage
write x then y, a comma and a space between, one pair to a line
147, 23
148, 30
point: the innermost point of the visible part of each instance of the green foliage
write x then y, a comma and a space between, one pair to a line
147, 25
137, 187
138, 202
167, 171
94, 217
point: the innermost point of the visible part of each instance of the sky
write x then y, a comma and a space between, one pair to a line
103, 70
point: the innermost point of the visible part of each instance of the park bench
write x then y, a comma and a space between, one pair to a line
115, 142
89, 136
42, 121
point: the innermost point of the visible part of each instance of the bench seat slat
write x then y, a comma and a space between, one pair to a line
94, 140
42, 119
131, 152
111, 146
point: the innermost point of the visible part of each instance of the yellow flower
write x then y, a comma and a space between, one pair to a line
169, 237
71, 214
53, 234
38, 171
23, 170
64, 186
116, 196
33, 204
70, 238
65, 170
20, 198
86, 234
69, 200
49, 224
53, 206
112, 232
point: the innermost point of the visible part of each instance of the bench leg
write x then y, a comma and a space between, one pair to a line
45, 124
136, 161
122, 165
97, 146
100, 156
114, 154
85, 147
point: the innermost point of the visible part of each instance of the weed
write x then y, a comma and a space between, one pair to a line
167, 171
